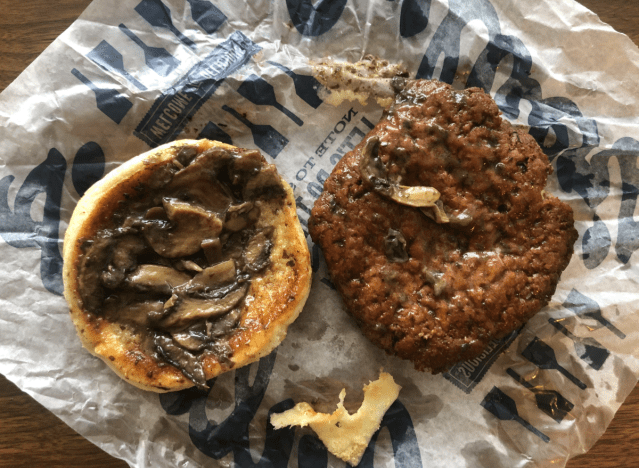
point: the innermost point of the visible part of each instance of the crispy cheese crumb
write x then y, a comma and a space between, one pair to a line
346, 436
370, 77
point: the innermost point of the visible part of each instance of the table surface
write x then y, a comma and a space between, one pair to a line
31, 436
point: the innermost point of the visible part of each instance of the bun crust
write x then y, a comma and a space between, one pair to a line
274, 299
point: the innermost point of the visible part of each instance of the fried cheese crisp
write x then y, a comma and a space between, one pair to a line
345, 435
370, 77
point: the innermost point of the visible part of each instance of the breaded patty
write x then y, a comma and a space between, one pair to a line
436, 284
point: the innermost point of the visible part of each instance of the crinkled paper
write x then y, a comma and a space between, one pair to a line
131, 75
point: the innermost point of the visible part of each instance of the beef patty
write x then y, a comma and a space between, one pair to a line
435, 285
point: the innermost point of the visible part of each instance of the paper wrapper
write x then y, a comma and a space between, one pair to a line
131, 75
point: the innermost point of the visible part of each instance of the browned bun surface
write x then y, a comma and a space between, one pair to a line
218, 307
431, 291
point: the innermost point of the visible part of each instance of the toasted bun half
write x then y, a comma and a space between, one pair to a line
274, 298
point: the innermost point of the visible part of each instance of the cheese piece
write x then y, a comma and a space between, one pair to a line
346, 436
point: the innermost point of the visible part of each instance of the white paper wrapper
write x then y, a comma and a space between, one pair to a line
94, 99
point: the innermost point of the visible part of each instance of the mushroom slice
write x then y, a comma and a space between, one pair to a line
438, 214
395, 246
436, 280
371, 167
224, 325
189, 265
186, 155
188, 363
124, 253
188, 341
241, 216
156, 278
139, 313
112, 277
205, 192
171, 302
205, 166
214, 276
212, 249
191, 224
373, 171
193, 338
416, 196
267, 183
246, 164
198, 181
463, 219
188, 309
257, 252
156, 213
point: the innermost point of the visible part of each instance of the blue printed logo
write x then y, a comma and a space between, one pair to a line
589, 178
157, 59
107, 57
207, 15
232, 434
315, 20
172, 111
447, 38
20, 230
466, 375
412, 19
108, 100
158, 15
551, 402
546, 115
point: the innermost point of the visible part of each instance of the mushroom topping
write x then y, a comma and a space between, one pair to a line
188, 363
395, 246
257, 253
462, 219
206, 165
415, 196
188, 309
156, 278
212, 250
112, 277
186, 155
90, 284
156, 213
188, 265
193, 338
124, 252
246, 165
190, 225
241, 216
436, 280
213, 277
222, 326
203, 192
439, 215
177, 259
141, 313
267, 183
374, 172
128, 308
